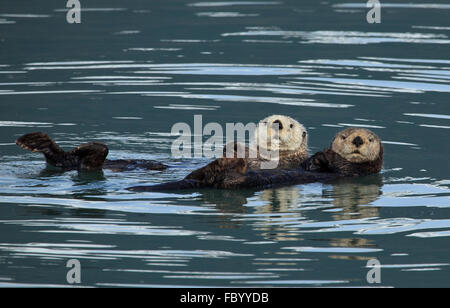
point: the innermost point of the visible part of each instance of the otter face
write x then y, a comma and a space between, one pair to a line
282, 133
357, 145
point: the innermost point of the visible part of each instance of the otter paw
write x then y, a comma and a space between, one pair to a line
238, 165
36, 142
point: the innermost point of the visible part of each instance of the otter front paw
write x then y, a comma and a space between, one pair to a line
238, 165
318, 163
235, 150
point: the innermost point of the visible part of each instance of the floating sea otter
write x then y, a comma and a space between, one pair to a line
353, 152
281, 133
89, 156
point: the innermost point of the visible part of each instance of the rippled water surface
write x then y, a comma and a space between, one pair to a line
133, 69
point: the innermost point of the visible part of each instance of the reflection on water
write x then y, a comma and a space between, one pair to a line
126, 83
352, 197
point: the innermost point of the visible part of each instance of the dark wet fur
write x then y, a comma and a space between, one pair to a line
131, 164
232, 173
88, 156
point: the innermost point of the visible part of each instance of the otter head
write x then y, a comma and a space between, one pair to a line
282, 133
357, 145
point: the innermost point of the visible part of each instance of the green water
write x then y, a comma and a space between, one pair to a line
132, 69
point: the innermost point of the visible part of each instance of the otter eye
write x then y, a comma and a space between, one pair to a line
304, 134
343, 137
292, 125
371, 139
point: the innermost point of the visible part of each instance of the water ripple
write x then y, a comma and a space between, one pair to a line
397, 5
348, 37
232, 3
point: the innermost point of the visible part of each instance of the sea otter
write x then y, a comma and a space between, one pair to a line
281, 134
278, 142
353, 152
281, 142
89, 156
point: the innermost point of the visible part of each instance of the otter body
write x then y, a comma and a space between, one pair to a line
353, 152
329, 161
89, 156
214, 176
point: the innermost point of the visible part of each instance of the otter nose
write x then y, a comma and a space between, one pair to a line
280, 126
358, 141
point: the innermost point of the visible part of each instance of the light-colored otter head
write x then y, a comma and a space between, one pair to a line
357, 145
282, 133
